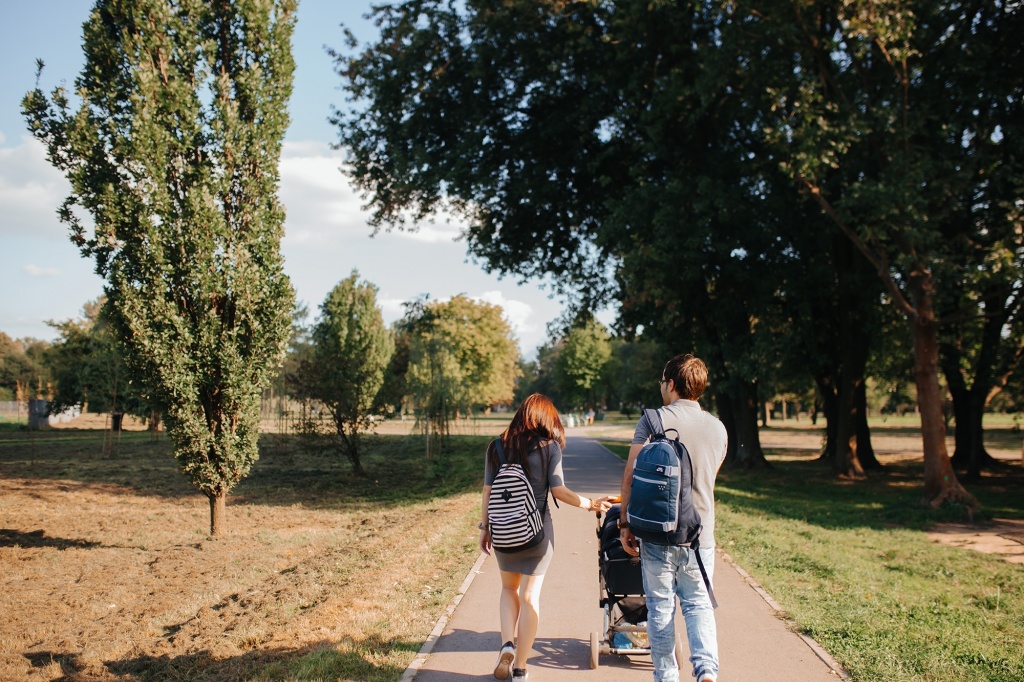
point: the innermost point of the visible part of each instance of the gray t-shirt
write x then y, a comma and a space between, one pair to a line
705, 438
541, 477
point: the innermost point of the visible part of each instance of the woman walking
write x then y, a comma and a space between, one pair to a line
533, 440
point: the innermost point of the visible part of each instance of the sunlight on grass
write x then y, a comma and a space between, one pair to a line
863, 580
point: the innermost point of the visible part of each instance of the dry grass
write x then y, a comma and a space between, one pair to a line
108, 573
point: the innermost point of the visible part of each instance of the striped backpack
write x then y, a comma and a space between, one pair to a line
513, 518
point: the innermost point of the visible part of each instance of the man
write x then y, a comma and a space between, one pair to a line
671, 571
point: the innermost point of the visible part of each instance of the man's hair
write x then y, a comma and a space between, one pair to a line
690, 375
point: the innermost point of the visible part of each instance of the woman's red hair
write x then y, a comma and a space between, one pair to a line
535, 422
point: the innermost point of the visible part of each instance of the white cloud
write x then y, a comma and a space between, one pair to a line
323, 208
37, 271
518, 313
391, 308
30, 191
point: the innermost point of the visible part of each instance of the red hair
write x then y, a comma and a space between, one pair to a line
535, 422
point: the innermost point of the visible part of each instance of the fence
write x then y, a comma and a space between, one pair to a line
13, 409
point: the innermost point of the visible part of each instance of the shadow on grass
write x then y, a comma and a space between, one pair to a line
805, 490
397, 470
38, 538
324, 660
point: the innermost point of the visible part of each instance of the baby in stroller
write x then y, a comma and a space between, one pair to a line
621, 596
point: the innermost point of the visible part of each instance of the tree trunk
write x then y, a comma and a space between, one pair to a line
724, 406
865, 450
853, 357
940, 481
740, 419
845, 462
969, 453
829, 408
218, 514
980, 458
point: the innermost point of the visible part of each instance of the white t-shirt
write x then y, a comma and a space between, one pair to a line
705, 438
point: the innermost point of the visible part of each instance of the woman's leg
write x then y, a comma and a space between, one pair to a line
509, 605
529, 617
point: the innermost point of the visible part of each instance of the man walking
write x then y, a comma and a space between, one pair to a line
671, 570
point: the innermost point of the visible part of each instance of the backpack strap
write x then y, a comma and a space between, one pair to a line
500, 451
695, 546
654, 420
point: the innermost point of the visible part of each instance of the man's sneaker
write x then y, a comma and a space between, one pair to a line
520, 675
503, 668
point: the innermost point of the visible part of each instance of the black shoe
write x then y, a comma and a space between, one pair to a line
520, 675
503, 668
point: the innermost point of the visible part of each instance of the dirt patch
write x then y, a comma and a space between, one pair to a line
1004, 537
107, 572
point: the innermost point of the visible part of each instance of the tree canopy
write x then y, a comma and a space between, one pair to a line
724, 172
171, 142
581, 364
462, 355
345, 368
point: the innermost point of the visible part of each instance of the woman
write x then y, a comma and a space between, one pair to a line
534, 440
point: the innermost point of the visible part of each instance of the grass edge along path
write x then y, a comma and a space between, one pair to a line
852, 567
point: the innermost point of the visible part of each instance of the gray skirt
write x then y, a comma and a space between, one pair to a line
533, 561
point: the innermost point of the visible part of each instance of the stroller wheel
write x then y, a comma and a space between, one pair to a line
595, 650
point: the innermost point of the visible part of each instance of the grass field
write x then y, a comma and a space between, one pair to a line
108, 574
853, 567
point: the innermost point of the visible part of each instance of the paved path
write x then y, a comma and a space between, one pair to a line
755, 645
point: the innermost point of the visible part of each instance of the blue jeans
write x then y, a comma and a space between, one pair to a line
671, 572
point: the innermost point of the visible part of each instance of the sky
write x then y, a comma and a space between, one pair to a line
43, 277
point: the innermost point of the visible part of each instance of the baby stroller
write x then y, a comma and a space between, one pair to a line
621, 597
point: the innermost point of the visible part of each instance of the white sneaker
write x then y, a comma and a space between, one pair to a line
503, 668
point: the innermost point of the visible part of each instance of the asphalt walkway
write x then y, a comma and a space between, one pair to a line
755, 645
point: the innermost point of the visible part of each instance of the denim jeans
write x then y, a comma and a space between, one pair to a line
671, 572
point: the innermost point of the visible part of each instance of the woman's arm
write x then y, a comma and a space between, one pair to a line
563, 494
485, 533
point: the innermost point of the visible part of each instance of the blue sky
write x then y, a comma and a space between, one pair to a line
43, 277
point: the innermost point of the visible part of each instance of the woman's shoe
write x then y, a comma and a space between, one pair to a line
520, 675
503, 668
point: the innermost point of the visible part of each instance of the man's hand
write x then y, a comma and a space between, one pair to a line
629, 542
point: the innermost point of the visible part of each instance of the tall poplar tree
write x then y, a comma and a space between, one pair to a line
172, 146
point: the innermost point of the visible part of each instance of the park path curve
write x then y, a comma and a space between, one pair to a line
755, 644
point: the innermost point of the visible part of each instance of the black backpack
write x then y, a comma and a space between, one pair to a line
661, 509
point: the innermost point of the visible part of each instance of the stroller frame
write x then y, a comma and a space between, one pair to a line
614, 617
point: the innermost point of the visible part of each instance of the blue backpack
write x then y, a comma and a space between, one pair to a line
660, 509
